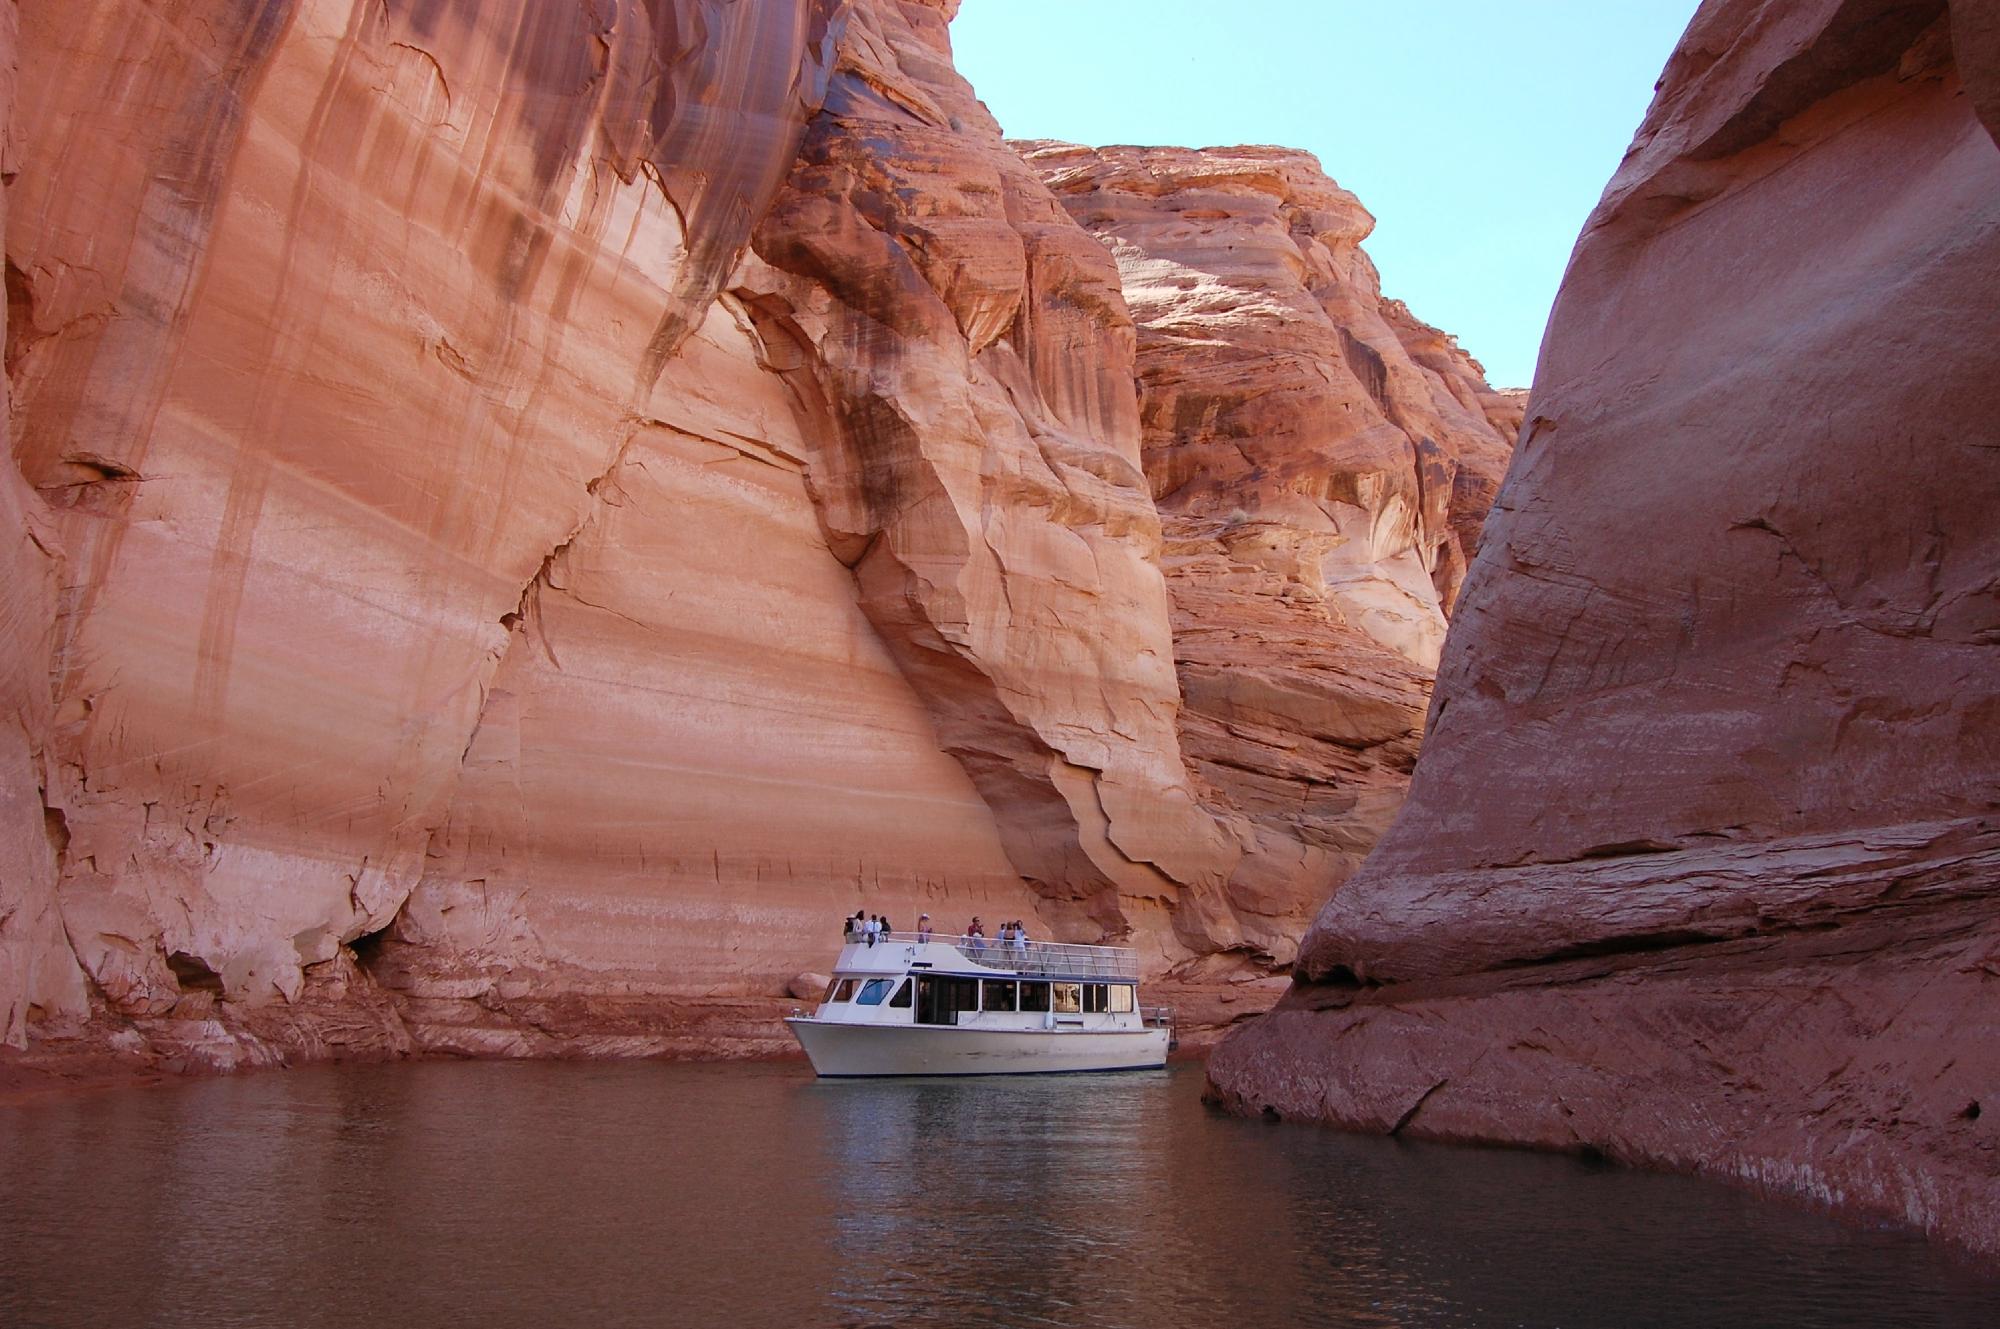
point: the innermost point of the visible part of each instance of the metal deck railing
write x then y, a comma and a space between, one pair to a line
1034, 957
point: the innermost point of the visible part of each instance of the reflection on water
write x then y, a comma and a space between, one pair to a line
649, 1194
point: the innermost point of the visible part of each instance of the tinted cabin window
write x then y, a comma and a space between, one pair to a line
843, 990
997, 995
1094, 998
1034, 996
1068, 997
873, 991
941, 998
902, 997
1121, 997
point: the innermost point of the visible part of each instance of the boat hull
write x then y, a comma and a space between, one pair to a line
838, 1049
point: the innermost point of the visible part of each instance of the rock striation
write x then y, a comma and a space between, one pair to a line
1701, 865
521, 513
1322, 462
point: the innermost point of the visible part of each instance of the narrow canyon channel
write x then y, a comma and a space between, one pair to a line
533, 532
647, 1193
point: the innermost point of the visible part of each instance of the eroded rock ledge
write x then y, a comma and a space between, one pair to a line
1701, 865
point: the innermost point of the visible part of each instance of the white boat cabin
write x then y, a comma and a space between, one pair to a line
917, 1005
976, 982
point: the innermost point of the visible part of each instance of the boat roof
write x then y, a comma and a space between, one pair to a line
988, 957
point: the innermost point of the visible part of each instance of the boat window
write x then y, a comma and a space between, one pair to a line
997, 994
843, 990
902, 997
873, 991
1094, 998
1034, 996
1121, 997
940, 998
1068, 996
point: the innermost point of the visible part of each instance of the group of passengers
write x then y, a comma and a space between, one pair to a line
867, 929
1013, 936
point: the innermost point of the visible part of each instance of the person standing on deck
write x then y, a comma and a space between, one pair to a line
923, 929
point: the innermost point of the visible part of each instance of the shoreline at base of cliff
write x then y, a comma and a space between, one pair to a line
116, 1054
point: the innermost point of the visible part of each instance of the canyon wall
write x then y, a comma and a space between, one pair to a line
1321, 462
1701, 865
522, 514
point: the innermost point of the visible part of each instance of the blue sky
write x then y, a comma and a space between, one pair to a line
1479, 133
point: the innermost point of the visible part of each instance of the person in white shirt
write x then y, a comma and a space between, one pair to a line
923, 927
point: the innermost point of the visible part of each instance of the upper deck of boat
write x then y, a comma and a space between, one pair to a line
902, 952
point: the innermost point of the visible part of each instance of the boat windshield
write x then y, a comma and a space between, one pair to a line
873, 991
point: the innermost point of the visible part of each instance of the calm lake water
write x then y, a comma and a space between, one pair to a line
545, 1194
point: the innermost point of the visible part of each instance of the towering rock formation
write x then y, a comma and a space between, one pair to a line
966, 353
523, 512
1701, 866
1321, 461
335, 380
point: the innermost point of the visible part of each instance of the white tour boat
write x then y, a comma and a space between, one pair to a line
918, 1005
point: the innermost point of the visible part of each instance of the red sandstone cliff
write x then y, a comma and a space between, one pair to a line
1701, 865
1321, 461
521, 513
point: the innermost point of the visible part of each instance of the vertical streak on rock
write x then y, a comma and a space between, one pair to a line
39, 978
289, 330
99, 380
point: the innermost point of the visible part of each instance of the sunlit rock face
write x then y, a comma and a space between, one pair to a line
965, 354
381, 532
524, 513
1699, 864
1321, 462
